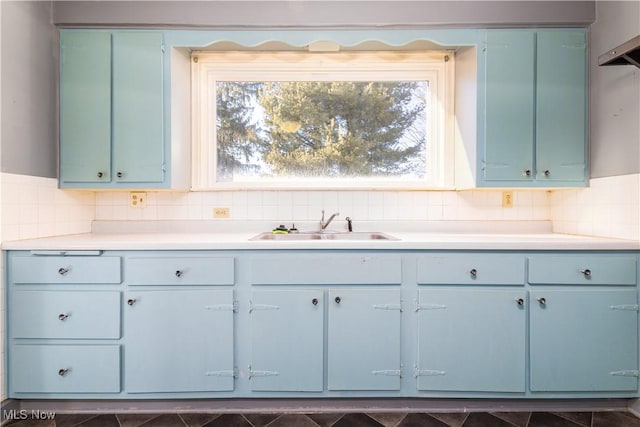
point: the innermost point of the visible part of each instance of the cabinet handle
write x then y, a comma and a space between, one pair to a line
542, 301
62, 317
178, 273
586, 272
119, 174
337, 300
63, 372
62, 271
473, 273
131, 301
520, 301
314, 301
547, 173
527, 172
100, 174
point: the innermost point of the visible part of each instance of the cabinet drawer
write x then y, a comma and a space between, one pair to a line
471, 269
582, 270
65, 269
180, 271
48, 314
65, 369
327, 270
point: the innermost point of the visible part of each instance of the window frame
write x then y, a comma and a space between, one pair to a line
211, 66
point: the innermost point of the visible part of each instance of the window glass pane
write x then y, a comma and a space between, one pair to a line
321, 129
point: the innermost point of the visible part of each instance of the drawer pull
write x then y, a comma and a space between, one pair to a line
62, 271
547, 173
100, 174
520, 301
527, 172
337, 300
178, 273
63, 372
542, 301
586, 273
131, 301
473, 273
63, 316
119, 174
314, 301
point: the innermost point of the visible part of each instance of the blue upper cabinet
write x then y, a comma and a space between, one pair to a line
510, 100
138, 144
561, 99
534, 108
112, 102
85, 107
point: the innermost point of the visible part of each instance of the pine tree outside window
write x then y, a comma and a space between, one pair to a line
322, 120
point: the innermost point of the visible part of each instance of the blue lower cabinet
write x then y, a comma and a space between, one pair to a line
287, 340
179, 341
65, 369
584, 340
364, 339
471, 340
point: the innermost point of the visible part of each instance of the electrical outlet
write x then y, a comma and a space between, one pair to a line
138, 200
221, 213
507, 199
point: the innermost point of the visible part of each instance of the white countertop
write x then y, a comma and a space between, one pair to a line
240, 241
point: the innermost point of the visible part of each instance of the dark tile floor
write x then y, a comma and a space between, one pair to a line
474, 419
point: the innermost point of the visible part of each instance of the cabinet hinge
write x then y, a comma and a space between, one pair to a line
221, 307
253, 373
626, 307
427, 372
387, 307
254, 307
629, 373
429, 306
226, 373
388, 372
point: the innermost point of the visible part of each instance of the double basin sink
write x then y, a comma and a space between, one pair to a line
319, 235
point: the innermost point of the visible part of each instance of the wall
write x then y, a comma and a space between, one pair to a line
610, 206
615, 93
326, 13
29, 81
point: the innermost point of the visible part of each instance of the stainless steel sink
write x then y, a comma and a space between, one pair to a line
324, 236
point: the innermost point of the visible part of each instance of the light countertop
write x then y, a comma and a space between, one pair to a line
240, 241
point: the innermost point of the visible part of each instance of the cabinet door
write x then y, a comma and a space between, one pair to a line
471, 340
287, 340
138, 143
85, 106
561, 105
509, 105
179, 341
584, 340
364, 339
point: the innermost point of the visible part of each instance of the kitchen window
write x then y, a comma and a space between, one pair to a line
322, 120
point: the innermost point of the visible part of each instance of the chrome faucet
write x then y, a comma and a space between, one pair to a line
324, 225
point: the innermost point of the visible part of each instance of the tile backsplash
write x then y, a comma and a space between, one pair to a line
610, 207
291, 206
35, 207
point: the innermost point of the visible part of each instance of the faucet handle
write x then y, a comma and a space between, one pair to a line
349, 224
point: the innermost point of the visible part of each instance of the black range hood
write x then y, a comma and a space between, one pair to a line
627, 53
